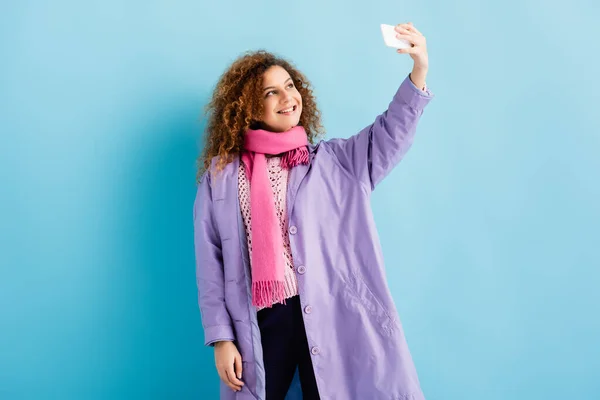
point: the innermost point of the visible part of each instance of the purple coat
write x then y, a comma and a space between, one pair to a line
354, 333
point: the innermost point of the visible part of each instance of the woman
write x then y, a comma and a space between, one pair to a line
289, 266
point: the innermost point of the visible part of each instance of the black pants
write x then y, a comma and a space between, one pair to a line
284, 348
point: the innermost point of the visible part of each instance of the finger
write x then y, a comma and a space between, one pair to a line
404, 31
232, 378
225, 379
411, 50
238, 367
402, 26
415, 30
410, 38
414, 40
409, 27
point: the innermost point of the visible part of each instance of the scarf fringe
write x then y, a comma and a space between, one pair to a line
294, 157
267, 293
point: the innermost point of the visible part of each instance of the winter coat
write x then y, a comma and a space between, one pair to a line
355, 337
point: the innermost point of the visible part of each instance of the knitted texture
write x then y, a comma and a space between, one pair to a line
278, 177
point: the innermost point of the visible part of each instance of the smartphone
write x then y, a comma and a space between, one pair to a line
389, 37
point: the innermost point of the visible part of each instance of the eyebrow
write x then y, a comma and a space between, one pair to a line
273, 87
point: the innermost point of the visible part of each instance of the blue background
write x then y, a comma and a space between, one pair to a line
490, 225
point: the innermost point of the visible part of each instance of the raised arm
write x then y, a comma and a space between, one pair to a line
373, 152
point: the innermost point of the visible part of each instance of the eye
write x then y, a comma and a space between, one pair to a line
291, 85
268, 93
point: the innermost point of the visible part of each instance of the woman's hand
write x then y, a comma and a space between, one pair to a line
229, 364
418, 51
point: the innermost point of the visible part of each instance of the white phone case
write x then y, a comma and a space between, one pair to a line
389, 37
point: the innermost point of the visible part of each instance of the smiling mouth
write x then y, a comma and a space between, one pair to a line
288, 111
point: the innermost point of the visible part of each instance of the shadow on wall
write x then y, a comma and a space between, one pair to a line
161, 349
161, 352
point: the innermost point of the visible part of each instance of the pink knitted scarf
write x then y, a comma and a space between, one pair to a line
268, 266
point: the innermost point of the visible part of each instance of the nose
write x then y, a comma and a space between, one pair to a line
286, 98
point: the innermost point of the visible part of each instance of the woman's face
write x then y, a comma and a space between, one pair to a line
281, 100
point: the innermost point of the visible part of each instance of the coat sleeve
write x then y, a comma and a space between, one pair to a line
373, 152
210, 281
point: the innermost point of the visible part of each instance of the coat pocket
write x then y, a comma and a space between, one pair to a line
358, 290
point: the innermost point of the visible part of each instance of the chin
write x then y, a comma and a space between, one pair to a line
281, 126
285, 127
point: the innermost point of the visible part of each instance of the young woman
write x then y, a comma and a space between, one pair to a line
289, 266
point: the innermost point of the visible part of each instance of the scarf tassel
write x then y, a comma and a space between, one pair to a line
267, 293
294, 157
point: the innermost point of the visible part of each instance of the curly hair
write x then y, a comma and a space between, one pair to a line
236, 106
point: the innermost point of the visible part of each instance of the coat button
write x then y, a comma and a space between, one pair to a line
301, 269
315, 350
293, 230
308, 309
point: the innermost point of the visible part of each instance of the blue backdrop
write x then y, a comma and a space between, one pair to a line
489, 226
